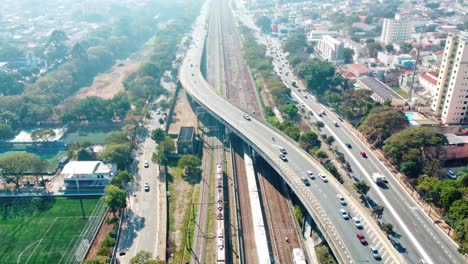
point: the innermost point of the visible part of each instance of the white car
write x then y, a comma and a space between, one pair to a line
283, 157
375, 252
344, 214
147, 188
357, 222
247, 117
341, 199
323, 177
146, 164
452, 175
310, 174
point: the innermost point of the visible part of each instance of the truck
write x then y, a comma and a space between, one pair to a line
378, 178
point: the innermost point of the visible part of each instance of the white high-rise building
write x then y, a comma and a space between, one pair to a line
331, 49
451, 98
396, 29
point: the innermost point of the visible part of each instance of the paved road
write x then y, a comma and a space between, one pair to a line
319, 198
420, 237
140, 231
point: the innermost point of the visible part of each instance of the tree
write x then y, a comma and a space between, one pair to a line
116, 137
308, 140
388, 228
46, 134
264, 23
389, 47
150, 69
190, 164
457, 211
449, 195
144, 257
115, 198
15, 165
158, 135
378, 211
5, 131
318, 75
164, 148
319, 125
348, 55
361, 187
10, 84
97, 260
381, 123
121, 154
406, 47
330, 140
122, 179
409, 168
295, 43
373, 48
290, 109
355, 104
424, 146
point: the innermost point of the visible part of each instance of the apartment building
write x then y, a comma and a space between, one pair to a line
331, 49
396, 29
451, 99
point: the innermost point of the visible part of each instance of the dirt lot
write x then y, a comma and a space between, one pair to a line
183, 115
108, 84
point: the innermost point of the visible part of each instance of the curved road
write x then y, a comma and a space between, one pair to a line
319, 198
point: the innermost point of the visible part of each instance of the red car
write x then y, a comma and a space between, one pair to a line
361, 238
363, 154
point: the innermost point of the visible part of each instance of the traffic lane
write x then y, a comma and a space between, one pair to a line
325, 194
381, 195
393, 194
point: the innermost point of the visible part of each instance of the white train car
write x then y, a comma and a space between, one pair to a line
298, 256
219, 196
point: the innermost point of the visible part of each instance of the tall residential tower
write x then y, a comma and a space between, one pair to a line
451, 98
396, 29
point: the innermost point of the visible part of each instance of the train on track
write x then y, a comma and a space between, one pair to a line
220, 235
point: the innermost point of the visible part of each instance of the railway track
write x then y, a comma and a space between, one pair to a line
248, 239
241, 90
282, 226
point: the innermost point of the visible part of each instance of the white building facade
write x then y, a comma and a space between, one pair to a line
451, 98
396, 29
87, 175
331, 49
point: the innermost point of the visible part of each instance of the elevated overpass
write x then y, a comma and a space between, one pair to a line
319, 198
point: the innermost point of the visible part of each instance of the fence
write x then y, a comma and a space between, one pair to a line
79, 250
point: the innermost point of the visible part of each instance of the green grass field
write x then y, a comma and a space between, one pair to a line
43, 232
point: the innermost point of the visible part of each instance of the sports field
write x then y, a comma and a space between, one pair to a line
40, 230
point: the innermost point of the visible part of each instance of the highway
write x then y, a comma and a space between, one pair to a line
420, 237
320, 197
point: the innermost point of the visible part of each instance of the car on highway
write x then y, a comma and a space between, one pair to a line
361, 238
283, 157
305, 181
323, 177
283, 151
344, 214
336, 124
349, 145
452, 175
363, 154
357, 222
323, 112
147, 188
146, 164
375, 252
247, 117
341, 199
310, 174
